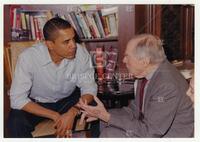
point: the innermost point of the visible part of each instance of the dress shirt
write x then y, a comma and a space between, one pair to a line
37, 76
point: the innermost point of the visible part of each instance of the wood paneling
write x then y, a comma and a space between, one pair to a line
153, 19
187, 28
126, 31
174, 24
7, 28
141, 23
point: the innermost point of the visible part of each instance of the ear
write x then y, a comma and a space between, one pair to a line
49, 44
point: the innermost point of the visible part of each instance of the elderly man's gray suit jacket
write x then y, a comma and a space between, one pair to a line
168, 111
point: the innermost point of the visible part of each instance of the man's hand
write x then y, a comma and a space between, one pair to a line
98, 111
64, 123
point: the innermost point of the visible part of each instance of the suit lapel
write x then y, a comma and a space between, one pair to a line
151, 85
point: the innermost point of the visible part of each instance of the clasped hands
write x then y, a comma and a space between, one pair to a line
64, 122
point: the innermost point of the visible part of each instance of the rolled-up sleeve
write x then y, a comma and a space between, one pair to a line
85, 80
21, 84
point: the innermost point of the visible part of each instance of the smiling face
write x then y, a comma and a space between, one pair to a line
64, 45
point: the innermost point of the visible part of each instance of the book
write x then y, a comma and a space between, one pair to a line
103, 22
99, 24
85, 26
111, 63
37, 30
32, 28
69, 18
41, 19
75, 21
24, 23
89, 14
113, 25
28, 25
108, 11
78, 24
89, 24
100, 63
46, 128
12, 12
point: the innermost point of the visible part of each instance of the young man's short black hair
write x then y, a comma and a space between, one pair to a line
53, 25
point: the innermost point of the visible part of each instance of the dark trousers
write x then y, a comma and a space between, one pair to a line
21, 123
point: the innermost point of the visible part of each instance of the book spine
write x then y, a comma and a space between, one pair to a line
14, 18
18, 19
113, 26
81, 24
105, 26
23, 20
99, 63
99, 24
32, 28
85, 26
89, 24
28, 24
73, 16
108, 24
41, 22
111, 63
72, 23
92, 29
94, 24
13, 13
37, 32
108, 11
49, 14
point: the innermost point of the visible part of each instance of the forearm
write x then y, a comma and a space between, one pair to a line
38, 110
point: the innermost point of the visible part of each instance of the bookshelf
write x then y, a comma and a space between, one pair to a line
121, 12
27, 25
101, 39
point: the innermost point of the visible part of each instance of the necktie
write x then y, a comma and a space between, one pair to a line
141, 96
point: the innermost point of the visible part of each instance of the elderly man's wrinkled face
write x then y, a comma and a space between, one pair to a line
134, 65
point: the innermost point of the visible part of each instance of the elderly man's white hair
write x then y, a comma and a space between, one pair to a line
147, 45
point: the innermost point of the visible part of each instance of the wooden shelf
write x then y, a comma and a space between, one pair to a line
101, 39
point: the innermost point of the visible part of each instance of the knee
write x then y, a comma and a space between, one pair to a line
18, 124
16, 118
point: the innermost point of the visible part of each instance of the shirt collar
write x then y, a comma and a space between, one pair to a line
46, 58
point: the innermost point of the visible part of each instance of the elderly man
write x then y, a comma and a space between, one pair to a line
45, 77
161, 107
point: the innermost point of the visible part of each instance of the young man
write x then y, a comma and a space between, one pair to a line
161, 107
45, 77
